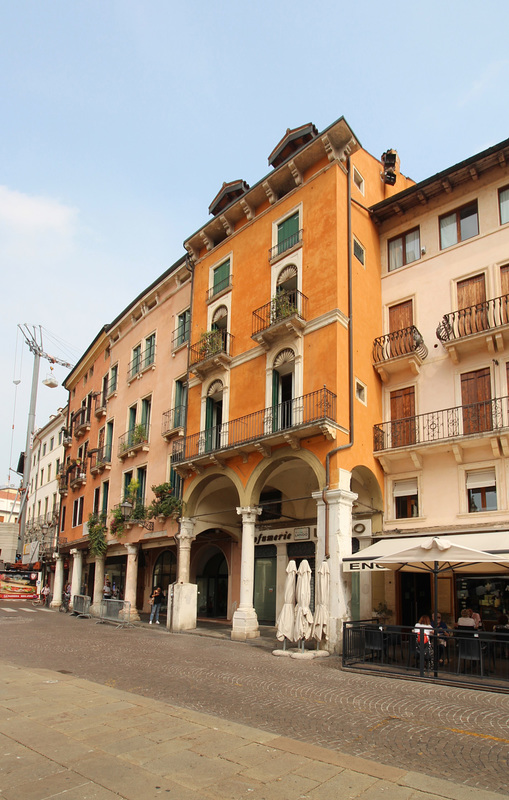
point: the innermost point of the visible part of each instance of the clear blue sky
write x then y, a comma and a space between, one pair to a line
120, 119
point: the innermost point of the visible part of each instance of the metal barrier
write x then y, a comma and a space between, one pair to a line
81, 606
117, 611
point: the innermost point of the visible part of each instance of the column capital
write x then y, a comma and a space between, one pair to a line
186, 529
76, 552
57, 556
249, 513
132, 549
335, 496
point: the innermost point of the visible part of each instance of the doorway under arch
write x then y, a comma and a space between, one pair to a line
165, 571
212, 585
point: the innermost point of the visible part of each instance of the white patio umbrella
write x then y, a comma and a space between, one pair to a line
320, 630
303, 615
285, 621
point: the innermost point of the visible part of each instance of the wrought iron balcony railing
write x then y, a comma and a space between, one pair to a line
81, 420
100, 458
284, 305
447, 423
180, 337
399, 343
173, 419
474, 319
133, 439
77, 474
100, 403
286, 244
212, 343
112, 385
319, 406
141, 362
221, 286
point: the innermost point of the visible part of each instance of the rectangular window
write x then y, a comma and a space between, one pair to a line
51, 443
404, 249
141, 477
57, 466
97, 493
503, 203
77, 512
106, 493
358, 180
406, 499
60, 437
128, 476
62, 520
135, 365
42, 476
44, 449
112, 386
482, 490
183, 324
358, 251
221, 277
176, 483
150, 351
180, 403
49, 472
459, 225
288, 233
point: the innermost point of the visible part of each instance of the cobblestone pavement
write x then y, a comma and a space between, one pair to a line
458, 734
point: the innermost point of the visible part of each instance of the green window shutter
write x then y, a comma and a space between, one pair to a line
132, 418
221, 277
209, 423
275, 399
287, 232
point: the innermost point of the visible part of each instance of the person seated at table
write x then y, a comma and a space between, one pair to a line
476, 617
502, 623
442, 632
424, 629
465, 620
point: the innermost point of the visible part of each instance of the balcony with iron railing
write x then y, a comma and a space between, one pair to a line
141, 363
63, 484
100, 404
112, 386
214, 349
398, 351
133, 440
465, 426
291, 242
286, 312
173, 422
77, 475
219, 288
312, 414
81, 421
484, 326
100, 459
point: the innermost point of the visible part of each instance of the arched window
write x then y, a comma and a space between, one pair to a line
283, 387
287, 279
213, 415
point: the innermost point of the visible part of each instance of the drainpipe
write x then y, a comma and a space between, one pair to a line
350, 362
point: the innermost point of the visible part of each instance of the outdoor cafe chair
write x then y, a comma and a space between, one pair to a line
469, 649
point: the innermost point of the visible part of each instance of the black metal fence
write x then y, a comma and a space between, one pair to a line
446, 423
462, 655
284, 305
312, 407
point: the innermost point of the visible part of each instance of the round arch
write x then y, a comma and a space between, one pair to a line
263, 470
195, 489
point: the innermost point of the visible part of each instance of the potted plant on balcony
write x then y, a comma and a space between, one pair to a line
282, 307
210, 343
165, 504
97, 534
117, 526
139, 435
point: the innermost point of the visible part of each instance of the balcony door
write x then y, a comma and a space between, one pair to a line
476, 401
403, 430
472, 307
401, 318
214, 416
504, 287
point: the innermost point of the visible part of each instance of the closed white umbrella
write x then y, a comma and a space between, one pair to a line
285, 621
303, 615
320, 625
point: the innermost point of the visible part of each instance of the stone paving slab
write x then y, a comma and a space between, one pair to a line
84, 741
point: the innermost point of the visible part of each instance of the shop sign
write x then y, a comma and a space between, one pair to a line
18, 585
300, 534
288, 535
363, 566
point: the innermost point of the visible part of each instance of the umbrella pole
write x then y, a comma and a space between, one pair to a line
435, 612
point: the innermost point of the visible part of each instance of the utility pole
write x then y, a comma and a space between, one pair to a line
36, 348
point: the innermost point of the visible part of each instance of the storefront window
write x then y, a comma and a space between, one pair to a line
165, 571
487, 595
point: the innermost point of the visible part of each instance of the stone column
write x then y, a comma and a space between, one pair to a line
245, 621
182, 608
77, 573
58, 583
131, 579
95, 608
185, 537
339, 511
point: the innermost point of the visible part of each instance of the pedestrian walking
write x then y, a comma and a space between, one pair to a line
156, 599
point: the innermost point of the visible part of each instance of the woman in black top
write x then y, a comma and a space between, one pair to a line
157, 599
